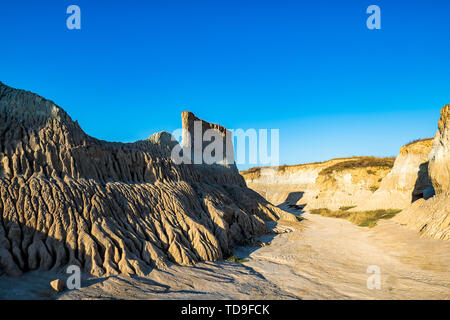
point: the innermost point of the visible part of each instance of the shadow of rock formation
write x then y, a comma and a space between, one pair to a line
292, 200
423, 187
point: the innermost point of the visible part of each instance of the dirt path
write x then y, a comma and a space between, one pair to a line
330, 257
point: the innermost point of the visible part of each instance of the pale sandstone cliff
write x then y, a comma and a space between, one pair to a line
421, 169
67, 198
350, 182
191, 139
332, 184
440, 154
407, 181
432, 217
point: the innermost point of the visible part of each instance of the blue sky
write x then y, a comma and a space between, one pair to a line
310, 68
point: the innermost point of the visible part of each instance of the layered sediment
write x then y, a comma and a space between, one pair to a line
418, 182
331, 184
407, 182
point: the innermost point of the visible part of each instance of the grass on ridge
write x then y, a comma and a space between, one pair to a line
346, 208
234, 258
418, 140
360, 218
346, 163
362, 162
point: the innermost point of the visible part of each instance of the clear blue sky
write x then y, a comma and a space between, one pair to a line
310, 68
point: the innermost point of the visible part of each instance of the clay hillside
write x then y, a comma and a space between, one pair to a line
111, 208
431, 216
331, 184
417, 182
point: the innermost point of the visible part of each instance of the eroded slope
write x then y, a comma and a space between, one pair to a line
432, 217
111, 208
331, 184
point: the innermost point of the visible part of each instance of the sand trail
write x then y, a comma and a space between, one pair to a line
318, 258
329, 259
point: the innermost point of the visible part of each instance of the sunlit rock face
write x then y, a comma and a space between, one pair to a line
440, 154
432, 217
332, 184
110, 208
418, 182
406, 182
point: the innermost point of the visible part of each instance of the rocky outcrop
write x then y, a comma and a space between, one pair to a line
408, 180
111, 208
440, 154
332, 184
198, 135
419, 183
432, 217
363, 183
410, 171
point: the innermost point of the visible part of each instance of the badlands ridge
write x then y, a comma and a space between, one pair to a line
124, 208
417, 181
111, 208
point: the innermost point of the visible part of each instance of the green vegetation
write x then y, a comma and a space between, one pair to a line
256, 170
417, 140
347, 163
363, 162
374, 188
360, 218
346, 208
234, 258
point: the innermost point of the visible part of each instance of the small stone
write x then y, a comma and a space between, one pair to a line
57, 285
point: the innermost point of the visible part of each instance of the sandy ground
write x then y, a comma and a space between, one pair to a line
330, 257
319, 258
218, 281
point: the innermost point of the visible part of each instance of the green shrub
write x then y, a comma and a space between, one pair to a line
346, 208
363, 162
360, 218
234, 258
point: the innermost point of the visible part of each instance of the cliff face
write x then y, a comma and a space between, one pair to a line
406, 182
432, 217
410, 172
440, 154
421, 170
365, 183
331, 184
111, 208
198, 134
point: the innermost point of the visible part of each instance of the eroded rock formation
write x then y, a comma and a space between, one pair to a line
365, 183
111, 208
432, 217
419, 183
198, 135
408, 180
331, 184
440, 154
